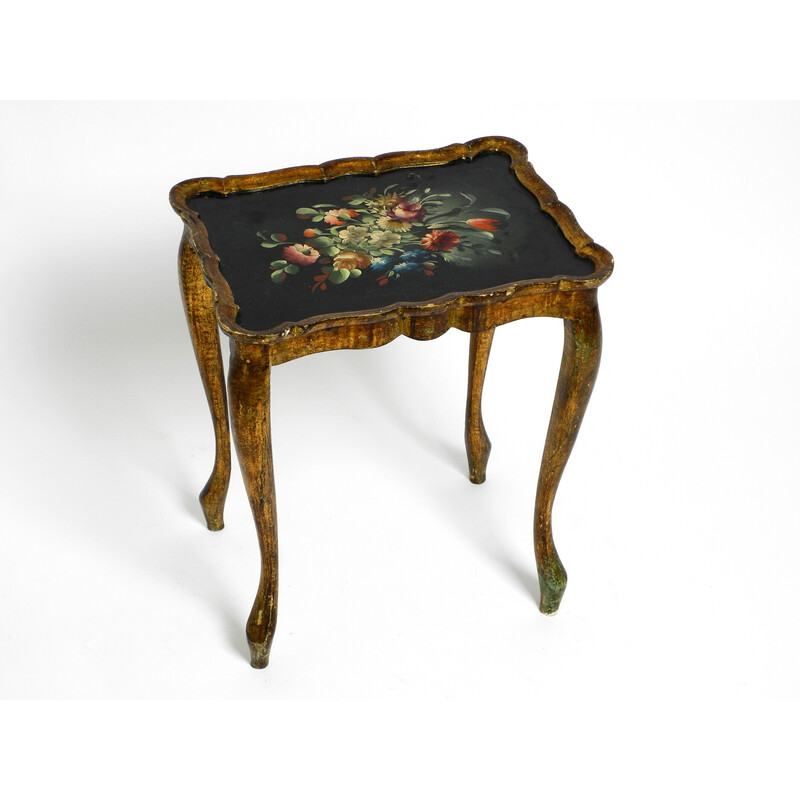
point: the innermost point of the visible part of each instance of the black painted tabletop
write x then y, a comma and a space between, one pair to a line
363, 242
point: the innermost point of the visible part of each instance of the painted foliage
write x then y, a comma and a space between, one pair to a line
381, 236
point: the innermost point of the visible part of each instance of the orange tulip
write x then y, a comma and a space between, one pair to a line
484, 223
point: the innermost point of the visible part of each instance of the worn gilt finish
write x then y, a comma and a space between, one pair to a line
209, 302
477, 441
198, 302
248, 379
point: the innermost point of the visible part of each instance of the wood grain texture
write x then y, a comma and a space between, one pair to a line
579, 364
249, 384
198, 303
477, 441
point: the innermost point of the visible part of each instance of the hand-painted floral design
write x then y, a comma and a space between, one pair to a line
300, 254
384, 235
340, 216
484, 224
439, 240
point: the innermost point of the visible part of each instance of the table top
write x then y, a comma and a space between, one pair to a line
360, 236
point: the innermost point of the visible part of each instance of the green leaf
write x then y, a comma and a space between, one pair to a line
334, 250
277, 238
279, 263
291, 269
356, 273
338, 275
358, 201
318, 218
386, 251
323, 205
496, 252
278, 276
496, 211
270, 244
306, 212
324, 241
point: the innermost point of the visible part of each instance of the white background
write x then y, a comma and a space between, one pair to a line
410, 658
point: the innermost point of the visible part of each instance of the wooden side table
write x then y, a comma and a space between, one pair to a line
352, 254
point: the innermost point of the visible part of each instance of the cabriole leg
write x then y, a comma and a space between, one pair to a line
579, 364
198, 302
478, 444
248, 382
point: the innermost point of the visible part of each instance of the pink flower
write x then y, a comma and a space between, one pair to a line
300, 254
439, 240
408, 212
335, 215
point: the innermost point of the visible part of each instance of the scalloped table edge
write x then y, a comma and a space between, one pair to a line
448, 307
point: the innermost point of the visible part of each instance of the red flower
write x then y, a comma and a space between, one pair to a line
439, 240
484, 223
407, 212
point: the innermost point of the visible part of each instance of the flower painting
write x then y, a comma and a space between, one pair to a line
382, 236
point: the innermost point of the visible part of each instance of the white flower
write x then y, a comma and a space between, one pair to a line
383, 238
353, 234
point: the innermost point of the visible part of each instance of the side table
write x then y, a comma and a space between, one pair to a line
355, 252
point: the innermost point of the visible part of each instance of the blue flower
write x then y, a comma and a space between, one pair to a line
382, 263
416, 256
403, 262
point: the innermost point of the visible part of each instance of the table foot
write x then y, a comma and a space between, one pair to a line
259, 655
263, 617
475, 436
552, 584
213, 502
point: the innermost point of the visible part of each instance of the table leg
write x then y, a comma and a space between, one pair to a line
248, 382
579, 364
198, 302
478, 444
